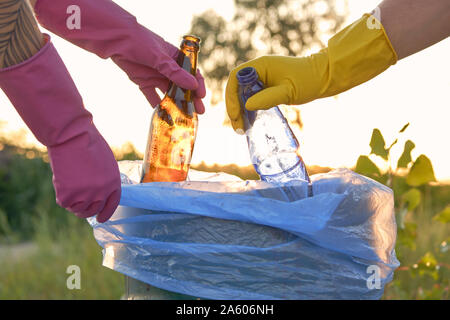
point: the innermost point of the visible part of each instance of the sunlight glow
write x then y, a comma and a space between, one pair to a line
336, 130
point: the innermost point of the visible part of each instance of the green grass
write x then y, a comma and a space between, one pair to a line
42, 274
414, 279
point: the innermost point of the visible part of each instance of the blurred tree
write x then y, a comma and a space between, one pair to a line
282, 27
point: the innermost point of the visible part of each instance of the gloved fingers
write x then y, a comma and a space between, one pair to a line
95, 207
86, 209
78, 209
199, 106
268, 98
172, 71
111, 205
231, 97
200, 92
149, 91
152, 96
171, 50
154, 99
238, 125
232, 89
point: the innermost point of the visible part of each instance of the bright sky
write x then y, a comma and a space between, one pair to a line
336, 130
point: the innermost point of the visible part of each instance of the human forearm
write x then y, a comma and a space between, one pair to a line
20, 37
413, 25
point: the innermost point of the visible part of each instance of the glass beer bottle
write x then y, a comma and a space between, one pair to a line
173, 128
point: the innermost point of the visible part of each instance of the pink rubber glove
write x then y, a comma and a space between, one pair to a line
85, 174
111, 32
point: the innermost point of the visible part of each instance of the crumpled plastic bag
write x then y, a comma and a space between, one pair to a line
217, 237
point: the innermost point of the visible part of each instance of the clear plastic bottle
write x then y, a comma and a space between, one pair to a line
273, 147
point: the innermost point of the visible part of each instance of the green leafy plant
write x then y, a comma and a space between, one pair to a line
424, 272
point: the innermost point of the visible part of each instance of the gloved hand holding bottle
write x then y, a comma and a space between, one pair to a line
111, 32
355, 55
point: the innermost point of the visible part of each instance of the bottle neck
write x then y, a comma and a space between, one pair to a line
249, 84
187, 59
247, 76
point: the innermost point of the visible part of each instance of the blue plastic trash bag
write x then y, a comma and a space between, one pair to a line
218, 237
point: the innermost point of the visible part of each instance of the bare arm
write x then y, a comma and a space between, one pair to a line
20, 37
413, 25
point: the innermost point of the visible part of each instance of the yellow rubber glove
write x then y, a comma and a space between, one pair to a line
353, 56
